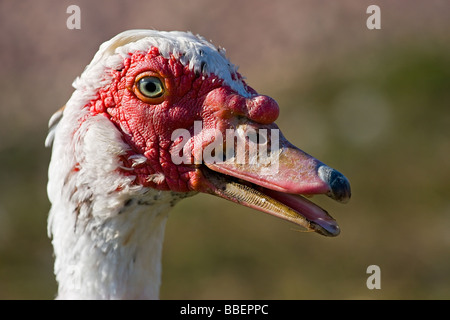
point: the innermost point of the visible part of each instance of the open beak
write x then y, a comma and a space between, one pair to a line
276, 178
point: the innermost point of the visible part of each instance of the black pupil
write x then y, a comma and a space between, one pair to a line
150, 86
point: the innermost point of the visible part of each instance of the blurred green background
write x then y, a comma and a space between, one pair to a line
374, 104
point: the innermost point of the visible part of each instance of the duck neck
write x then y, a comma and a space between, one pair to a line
111, 256
107, 231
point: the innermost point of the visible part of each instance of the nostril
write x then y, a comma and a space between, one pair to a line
338, 183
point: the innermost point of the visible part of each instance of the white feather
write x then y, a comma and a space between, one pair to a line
195, 51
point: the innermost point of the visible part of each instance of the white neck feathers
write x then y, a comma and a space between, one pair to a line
107, 232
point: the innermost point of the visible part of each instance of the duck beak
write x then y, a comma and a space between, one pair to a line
266, 172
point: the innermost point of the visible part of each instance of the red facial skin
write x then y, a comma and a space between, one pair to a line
147, 124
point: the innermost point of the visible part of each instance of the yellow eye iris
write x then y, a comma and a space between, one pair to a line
150, 87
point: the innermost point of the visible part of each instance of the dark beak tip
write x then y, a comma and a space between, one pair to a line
329, 230
339, 185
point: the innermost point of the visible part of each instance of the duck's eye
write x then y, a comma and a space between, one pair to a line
150, 87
